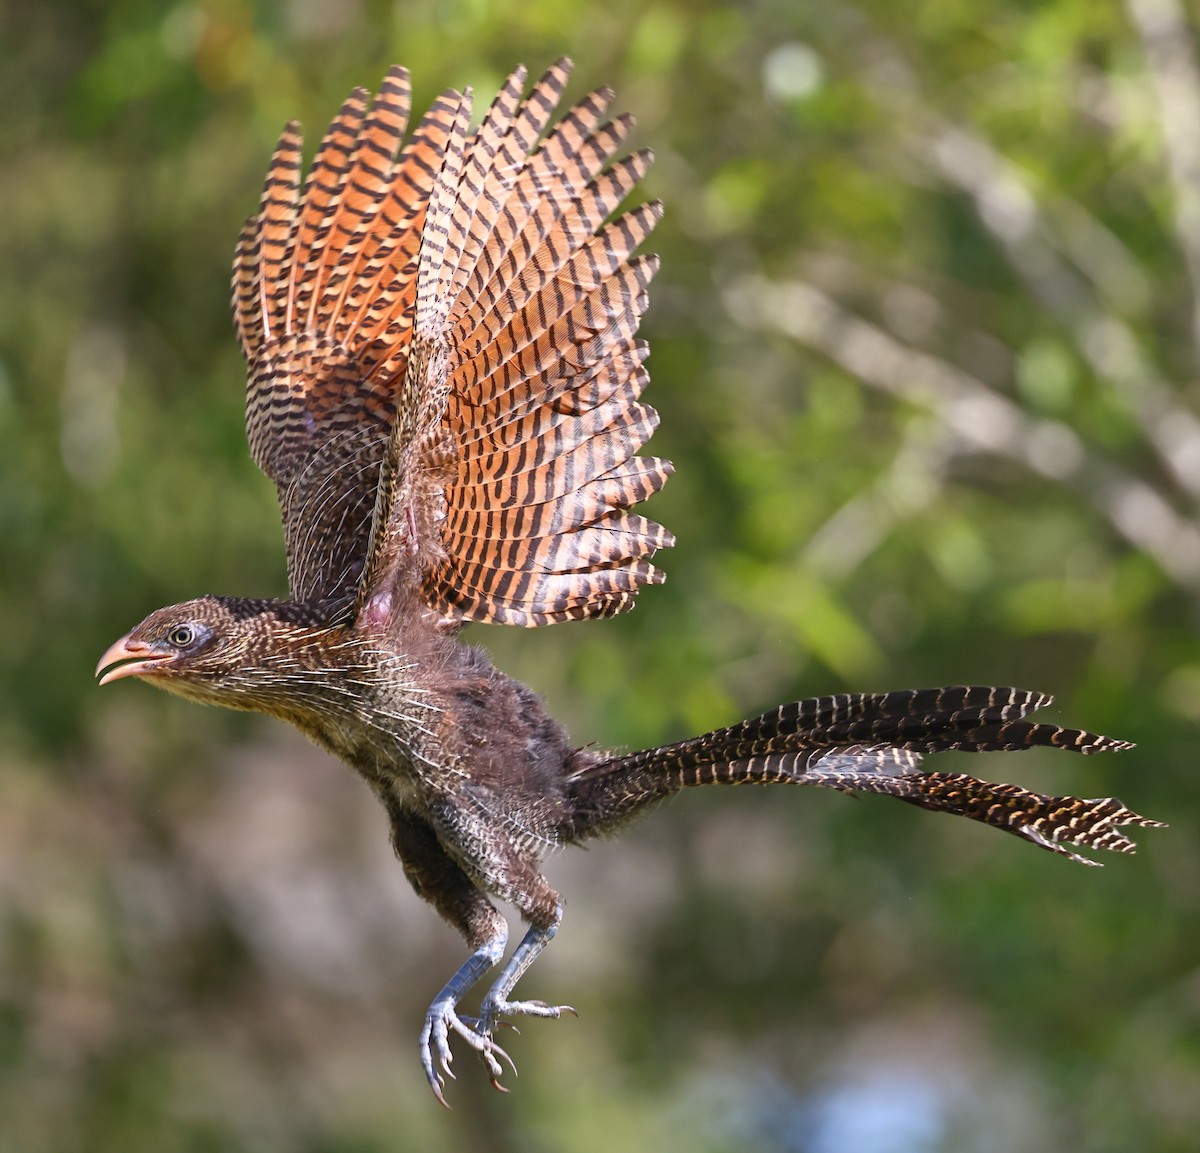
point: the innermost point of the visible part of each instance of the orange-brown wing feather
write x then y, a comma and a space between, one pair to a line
513, 464
324, 295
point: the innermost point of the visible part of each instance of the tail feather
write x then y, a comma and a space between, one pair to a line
872, 743
1051, 822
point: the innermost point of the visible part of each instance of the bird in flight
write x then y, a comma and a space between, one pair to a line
444, 382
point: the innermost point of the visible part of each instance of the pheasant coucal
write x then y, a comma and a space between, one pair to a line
444, 383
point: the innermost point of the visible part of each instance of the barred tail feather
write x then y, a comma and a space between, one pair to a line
872, 743
1051, 822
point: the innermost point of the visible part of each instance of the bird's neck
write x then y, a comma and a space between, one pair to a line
356, 690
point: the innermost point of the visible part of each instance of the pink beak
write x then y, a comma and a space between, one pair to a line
140, 659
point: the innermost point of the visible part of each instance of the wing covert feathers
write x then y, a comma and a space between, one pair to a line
444, 374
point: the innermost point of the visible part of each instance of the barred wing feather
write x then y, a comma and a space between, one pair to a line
513, 462
324, 291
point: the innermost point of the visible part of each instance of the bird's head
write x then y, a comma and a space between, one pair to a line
203, 649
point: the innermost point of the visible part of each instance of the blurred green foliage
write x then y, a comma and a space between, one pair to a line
925, 345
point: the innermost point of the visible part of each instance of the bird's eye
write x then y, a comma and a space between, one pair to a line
181, 636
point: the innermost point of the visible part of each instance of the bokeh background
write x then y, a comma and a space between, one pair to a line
925, 346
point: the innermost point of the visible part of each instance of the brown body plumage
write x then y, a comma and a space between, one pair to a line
444, 383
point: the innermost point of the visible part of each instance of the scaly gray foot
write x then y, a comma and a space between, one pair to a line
436, 1057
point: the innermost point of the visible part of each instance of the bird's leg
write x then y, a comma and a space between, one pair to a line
442, 1016
438, 879
466, 831
496, 1003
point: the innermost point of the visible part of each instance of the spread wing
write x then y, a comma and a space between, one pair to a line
512, 467
324, 288
443, 365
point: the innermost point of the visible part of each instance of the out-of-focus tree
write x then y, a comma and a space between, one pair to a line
924, 345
